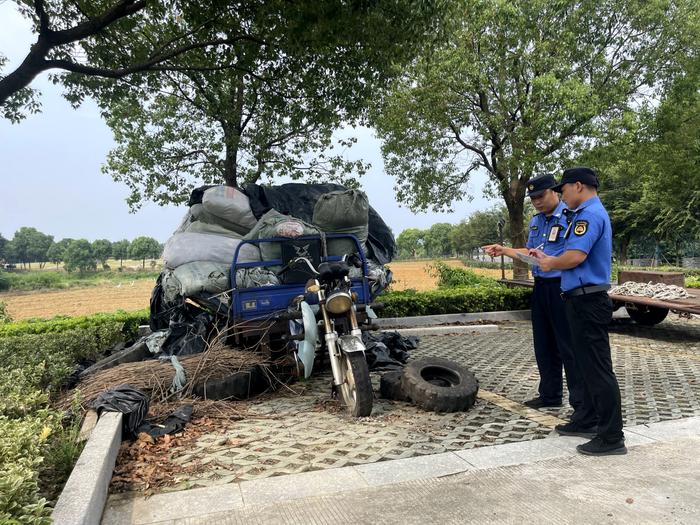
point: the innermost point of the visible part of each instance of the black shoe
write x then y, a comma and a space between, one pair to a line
574, 429
538, 402
599, 447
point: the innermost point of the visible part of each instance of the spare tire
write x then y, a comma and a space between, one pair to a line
390, 386
439, 385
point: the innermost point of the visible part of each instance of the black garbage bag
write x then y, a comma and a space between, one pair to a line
160, 311
388, 350
125, 399
173, 424
298, 200
187, 331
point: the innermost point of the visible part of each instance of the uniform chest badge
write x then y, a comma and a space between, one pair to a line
580, 228
553, 233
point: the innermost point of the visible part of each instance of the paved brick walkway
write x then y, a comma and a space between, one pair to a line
658, 369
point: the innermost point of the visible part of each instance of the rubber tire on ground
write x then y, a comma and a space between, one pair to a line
243, 384
646, 315
390, 386
363, 384
439, 385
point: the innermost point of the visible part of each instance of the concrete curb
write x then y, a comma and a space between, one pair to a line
433, 320
197, 503
85, 494
449, 330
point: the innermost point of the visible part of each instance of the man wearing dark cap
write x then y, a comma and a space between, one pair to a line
550, 327
585, 266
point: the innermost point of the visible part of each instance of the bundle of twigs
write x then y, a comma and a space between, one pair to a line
155, 377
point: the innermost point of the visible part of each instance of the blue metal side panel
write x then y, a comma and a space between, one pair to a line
262, 302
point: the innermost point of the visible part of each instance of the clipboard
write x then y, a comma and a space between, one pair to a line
529, 259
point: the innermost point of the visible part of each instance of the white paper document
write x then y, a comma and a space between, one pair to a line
529, 259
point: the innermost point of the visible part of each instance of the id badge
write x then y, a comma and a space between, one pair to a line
553, 233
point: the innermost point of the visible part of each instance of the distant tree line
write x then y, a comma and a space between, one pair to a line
465, 238
28, 245
447, 240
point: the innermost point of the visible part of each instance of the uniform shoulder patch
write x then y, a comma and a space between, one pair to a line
534, 227
580, 228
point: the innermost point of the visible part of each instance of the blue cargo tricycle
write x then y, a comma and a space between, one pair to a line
318, 307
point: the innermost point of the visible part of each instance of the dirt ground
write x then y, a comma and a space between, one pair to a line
79, 301
135, 295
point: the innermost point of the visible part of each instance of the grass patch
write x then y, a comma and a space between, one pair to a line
58, 279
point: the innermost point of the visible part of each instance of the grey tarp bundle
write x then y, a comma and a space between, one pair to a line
275, 224
299, 200
345, 212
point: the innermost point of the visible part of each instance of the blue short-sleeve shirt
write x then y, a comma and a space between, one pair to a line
589, 231
547, 234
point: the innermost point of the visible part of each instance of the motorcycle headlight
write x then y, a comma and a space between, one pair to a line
339, 303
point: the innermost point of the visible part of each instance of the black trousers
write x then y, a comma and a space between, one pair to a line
552, 338
589, 316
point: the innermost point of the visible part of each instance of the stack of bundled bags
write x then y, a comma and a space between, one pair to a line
198, 256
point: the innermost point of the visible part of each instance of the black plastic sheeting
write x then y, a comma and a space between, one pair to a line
173, 424
188, 331
125, 399
298, 200
388, 350
188, 324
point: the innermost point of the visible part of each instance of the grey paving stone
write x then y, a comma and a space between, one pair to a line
295, 486
513, 453
169, 506
410, 469
687, 427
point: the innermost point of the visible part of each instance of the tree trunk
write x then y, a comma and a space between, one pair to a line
624, 247
143, 265
515, 202
232, 132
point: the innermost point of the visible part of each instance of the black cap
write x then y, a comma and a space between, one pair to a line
581, 174
536, 186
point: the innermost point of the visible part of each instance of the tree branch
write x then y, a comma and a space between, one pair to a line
469, 147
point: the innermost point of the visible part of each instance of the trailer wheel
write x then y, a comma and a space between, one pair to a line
646, 315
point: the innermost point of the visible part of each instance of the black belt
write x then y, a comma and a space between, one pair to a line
585, 290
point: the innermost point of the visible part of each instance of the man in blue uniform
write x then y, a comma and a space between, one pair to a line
550, 328
585, 267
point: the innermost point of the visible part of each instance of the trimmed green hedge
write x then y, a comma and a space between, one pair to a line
38, 447
130, 320
477, 298
692, 282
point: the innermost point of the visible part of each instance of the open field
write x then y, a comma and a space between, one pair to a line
414, 274
134, 295
79, 301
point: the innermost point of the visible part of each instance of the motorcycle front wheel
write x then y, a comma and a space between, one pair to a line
356, 390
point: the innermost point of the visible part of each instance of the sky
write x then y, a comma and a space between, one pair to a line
51, 179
